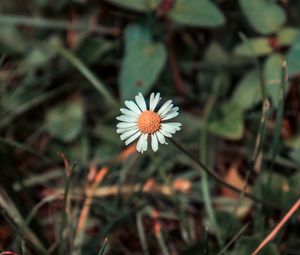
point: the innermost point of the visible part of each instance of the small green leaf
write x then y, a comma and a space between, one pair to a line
142, 63
287, 35
11, 40
293, 59
229, 123
91, 49
38, 57
65, 121
248, 91
259, 45
136, 5
216, 55
263, 15
202, 13
272, 73
295, 155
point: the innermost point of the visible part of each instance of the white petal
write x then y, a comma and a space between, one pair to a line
152, 96
123, 130
128, 133
175, 125
164, 106
145, 144
133, 107
126, 124
160, 137
132, 138
168, 128
170, 116
166, 110
139, 144
154, 143
128, 112
174, 109
165, 133
154, 99
140, 100
127, 118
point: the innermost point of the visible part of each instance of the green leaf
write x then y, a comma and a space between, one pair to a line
92, 49
295, 155
11, 40
272, 73
229, 124
37, 57
259, 45
287, 35
275, 188
293, 60
136, 5
216, 55
264, 16
248, 91
202, 13
65, 121
142, 63
246, 245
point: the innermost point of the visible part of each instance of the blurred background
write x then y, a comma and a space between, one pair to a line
68, 185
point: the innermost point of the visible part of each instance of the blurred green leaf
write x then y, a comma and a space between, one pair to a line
275, 187
229, 224
295, 155
229, 123
91, 49
38, 57
287, 35
11, 40
293, 142
247, 245
142, 63
263, 15
65, 121
248, 92
202, 13
272, 73
136, 5
216, 55
260, 45
293, 59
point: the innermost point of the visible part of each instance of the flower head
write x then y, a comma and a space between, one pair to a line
139, 121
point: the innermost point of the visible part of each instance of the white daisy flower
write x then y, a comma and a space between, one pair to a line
140, 122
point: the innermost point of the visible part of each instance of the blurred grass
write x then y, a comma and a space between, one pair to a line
61, 83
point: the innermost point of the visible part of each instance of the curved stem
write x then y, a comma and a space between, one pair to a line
218, 179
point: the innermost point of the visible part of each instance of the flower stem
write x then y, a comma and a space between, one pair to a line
210, 173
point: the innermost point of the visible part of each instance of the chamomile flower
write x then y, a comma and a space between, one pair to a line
139, 121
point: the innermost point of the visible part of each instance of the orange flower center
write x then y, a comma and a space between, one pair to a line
149, 122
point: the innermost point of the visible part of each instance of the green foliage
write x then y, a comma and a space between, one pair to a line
287, 35
264, 16
247, 245
260, 46
276, 187
66, 68
228, 123
272, 73
137, 5
142, 63
248, 91
197, 13
293, 59
65, 121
